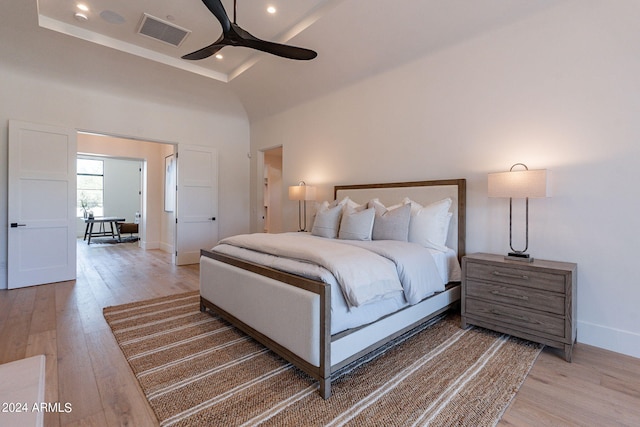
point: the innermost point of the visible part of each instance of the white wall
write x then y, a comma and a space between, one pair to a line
558, 91
122, 187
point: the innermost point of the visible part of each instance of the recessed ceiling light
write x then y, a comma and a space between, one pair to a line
81, 17
219, 56
271, 9
83, 7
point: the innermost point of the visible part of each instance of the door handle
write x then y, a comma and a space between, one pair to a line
510, 275
16, 225
213, 218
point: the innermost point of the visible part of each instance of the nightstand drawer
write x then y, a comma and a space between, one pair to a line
518, 317
517, 296
510, 275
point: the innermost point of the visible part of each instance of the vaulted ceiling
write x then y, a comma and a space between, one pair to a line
354, 38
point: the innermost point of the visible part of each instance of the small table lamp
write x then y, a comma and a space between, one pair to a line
521, 184
302, 192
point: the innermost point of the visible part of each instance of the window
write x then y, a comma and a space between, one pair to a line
90, 187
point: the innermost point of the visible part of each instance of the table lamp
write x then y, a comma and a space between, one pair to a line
519, 184
302, 192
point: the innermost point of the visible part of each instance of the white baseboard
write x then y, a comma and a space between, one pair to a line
617, 340
166, 247
149, 245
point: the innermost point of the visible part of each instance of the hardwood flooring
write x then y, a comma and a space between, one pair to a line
64, 321
85, 367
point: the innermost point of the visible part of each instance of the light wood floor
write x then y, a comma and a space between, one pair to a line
86, 368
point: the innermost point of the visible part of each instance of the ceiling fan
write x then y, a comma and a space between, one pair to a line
233, 35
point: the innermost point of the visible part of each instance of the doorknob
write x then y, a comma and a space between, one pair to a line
213, 218
15, 225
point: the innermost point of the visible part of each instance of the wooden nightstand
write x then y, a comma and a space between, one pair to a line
535, 301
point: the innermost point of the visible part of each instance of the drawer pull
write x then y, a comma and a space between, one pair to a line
513, 316
502, 294
512, 276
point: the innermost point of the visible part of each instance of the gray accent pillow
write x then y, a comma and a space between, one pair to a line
327, 221
356, 225
390, 224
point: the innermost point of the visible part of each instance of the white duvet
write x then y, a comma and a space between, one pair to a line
366, 271
414, 264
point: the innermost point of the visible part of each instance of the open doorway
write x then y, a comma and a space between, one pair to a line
272, 190
156, 222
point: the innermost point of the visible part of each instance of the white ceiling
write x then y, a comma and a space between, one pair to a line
354, 39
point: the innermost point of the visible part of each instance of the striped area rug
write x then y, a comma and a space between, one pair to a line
196, 370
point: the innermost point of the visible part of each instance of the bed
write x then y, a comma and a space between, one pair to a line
302, 317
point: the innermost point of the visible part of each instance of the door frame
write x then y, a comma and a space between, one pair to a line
260, 193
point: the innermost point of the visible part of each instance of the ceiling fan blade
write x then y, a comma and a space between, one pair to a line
215, 6
291, 52
283, 50
206, 52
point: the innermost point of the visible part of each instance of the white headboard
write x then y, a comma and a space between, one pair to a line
423, 192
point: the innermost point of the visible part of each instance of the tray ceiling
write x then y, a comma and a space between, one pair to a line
116, 24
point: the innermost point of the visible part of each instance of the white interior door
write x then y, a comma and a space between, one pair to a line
197, 207
42, 201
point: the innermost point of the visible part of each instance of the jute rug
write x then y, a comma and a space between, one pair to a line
197, 370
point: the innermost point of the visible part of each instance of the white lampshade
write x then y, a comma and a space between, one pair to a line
519, 184
302, 192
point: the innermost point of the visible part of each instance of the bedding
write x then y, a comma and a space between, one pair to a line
343, 315
366, 271
414, 265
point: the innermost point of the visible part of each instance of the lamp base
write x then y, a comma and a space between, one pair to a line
519, 256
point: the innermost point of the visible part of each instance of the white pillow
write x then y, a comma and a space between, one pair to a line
376, 204
327, 221
429, 225
347, 203
390, 223
356, 224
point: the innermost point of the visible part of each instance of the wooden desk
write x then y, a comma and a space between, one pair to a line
102, 231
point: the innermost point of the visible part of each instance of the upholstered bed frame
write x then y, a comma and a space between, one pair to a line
291, 315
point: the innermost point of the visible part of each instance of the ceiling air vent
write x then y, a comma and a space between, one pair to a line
163, 31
